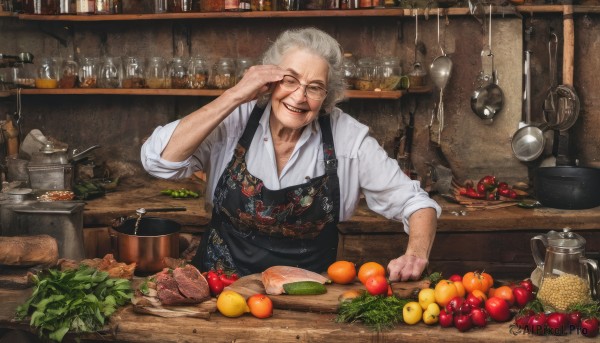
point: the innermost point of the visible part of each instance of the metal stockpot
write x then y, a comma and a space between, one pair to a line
156, 239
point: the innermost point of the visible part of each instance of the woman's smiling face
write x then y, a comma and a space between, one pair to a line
294, 110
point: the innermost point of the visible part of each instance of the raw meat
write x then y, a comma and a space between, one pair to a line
168, 291
191, 283
275, 277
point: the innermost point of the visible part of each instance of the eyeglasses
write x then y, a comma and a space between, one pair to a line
312, 91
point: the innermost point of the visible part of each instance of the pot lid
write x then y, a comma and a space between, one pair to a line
565, 239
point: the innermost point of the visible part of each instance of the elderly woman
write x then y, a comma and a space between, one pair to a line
284, 166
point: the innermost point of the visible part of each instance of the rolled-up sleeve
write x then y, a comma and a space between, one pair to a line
388, 191
151, 155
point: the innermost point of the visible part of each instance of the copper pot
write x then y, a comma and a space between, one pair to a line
156, 239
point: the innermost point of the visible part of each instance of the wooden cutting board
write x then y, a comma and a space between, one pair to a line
326, 303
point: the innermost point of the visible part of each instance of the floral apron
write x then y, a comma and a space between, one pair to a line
253, 228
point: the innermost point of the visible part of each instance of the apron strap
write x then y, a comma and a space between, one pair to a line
331, 162
251, 126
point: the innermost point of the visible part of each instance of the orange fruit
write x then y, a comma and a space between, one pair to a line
444, 291
506, 293
342, 272
370, 269
260, 306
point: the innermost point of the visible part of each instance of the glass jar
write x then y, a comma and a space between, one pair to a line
103, 7
223, 73
241, 66
366, 74
389, 73
88, 73
134, 74
47, 74
109, 75
178, 73
198, 73
349, 70
66, 7
212, 5
237, 5
45, 7
366, 3
23, 75
263, 5
288, 5
156, 73
312, 4
178, 6
417, 76
85, 6
68, 73
160, 6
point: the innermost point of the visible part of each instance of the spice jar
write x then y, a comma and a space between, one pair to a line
66, 7
156, 73
263, 5
237, 5
88, 73
212, 5
197, 73
103, 7
241, 66
389, 73
349, 70
178, 73
109, 76
85, 6
47, 75
134, 74
366, 75
223, 73
160, 6
417, 76
23, 75
288, 5
178, 6
68, 73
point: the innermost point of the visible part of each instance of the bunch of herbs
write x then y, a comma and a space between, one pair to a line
378, 312
76, 300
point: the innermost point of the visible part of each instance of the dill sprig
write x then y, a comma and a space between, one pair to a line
378, 312
588, 310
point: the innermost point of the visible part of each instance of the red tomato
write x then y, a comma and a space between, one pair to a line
506, 293
498, 309
476, 281
377, 285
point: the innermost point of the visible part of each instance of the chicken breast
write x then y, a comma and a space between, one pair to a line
275, 277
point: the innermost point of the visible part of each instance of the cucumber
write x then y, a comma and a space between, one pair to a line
304, 288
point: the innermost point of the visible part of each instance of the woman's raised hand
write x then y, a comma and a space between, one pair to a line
258, 80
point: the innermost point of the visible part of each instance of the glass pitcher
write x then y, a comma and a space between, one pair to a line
568, 278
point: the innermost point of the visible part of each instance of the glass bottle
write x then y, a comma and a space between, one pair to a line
66, 7
134, 74
156, 73
109, 77
366, 3
178, 6
389, 73
288, 5
160, 6
263, 5
47, 74
366, 75
198, 73
241, 66
223, 75
103, 7
88, 73
68, 73
85, 6
178, 73
212, 5
349, 70
237, 5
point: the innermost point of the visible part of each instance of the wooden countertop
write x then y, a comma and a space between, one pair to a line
133, 193
283, 326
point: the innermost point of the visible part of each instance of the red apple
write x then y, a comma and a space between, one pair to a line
522, 319
454, 305
557, 323
522, 296
537, 324
462, 322
455, 277
474, 301
589, 327
498, 309
445, 319
479, 317
527, 284
574, 320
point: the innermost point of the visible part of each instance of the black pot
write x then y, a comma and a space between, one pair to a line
568, 188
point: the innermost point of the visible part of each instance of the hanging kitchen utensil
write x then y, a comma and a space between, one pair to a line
529, 141
550, 104
416, 77
488, 99
440, 71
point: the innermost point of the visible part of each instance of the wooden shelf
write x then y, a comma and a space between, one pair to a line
355, 94
384, 12
4, 94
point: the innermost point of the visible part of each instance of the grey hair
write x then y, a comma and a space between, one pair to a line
321, 44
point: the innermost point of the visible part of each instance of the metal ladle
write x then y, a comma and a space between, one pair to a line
440, 71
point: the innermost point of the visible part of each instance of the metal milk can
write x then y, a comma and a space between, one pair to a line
568, 277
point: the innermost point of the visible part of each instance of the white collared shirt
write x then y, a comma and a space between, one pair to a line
363, 165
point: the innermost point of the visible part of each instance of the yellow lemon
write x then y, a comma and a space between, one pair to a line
232, 304
412, 313
426, 297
